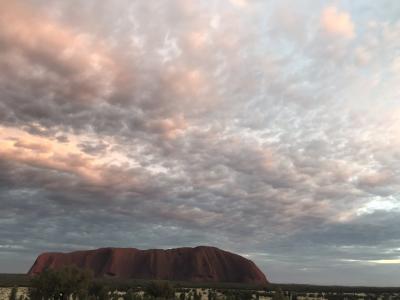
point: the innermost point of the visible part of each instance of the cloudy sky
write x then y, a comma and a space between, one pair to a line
267, 128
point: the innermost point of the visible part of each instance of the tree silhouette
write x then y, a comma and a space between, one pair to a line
160, 290
61, 284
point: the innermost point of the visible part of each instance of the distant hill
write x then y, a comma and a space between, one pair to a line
199, 264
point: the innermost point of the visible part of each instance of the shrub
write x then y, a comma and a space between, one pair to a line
278, 295
160, 290
60, 284
13, 294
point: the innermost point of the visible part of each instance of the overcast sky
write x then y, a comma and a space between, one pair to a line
266, 128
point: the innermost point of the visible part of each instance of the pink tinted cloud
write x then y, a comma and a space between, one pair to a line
337, 23
40, 40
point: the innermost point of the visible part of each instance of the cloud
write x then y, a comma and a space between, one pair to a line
337, 23
53, 45
212, 124
239, 3
46, 154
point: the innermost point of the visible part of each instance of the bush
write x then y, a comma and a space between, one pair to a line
13, 294
278, 295
99, 291
60, 284
160, 290
182, 296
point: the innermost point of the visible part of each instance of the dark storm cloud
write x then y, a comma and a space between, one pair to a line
218, 124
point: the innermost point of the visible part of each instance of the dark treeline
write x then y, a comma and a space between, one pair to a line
10, 280
71, 282
77, 284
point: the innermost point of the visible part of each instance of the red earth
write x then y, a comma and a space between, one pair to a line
199, 264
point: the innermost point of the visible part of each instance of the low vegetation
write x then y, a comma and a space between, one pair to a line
13, 294
75, 284
61, 285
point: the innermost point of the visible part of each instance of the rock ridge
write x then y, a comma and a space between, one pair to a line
198, 264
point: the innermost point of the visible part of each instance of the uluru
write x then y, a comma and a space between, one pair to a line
198, 264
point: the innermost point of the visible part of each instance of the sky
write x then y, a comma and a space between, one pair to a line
266, 128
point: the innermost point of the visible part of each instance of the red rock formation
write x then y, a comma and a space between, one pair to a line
207, 264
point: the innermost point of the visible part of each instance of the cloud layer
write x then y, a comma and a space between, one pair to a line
264, 128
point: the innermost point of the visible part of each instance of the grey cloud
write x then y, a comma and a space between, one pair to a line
206, 125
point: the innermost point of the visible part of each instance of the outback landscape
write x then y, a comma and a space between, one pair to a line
149, 290
199, 149
200, 273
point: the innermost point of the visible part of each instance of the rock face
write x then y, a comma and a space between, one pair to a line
200, 264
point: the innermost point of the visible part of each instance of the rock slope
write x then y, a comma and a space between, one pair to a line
199, 264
